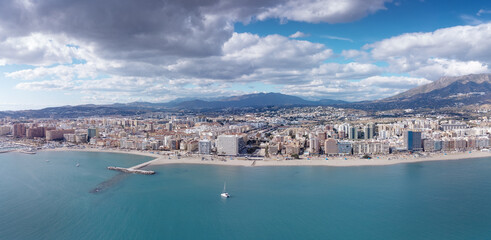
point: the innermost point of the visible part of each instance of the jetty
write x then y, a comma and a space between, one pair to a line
132, 170
27, 151
135, 169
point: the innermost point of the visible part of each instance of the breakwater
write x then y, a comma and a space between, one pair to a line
132, 170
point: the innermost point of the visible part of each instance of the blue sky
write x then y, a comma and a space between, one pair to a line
61, 52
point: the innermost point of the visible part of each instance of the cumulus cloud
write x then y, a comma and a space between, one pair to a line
337, 38
435, 68
36, 49
45, 85
128, 89
248, 56
159, 50
370, 88
315, 11
123, 29
299, 34
348, 71
483, 11
448, 51
129, 29
170, 46
462, 42
62, 72
355, 54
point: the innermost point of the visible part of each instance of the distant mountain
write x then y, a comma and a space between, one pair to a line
249, 100
76, 111
328, 102
256, 100
445, 92
448, 86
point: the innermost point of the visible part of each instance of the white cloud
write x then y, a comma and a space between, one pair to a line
468, 19
338, 38
355, 54
395, 82
330, 11
159, 30
351, 70
64, 72
450, 48
370, 88
167, 49
435, 68
299, 34
483, 11
461, 42
249, 57
36, 49
45, 85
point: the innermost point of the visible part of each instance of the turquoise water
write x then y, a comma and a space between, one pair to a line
53, 200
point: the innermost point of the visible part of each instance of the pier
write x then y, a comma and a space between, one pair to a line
132, 170
135, 169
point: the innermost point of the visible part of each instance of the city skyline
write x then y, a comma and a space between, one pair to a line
60, 53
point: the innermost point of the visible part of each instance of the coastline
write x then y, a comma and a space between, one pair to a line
339, 161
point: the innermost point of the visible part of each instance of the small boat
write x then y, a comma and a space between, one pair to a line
78, 165
224, 194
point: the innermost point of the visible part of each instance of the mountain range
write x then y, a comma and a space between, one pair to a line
445, 92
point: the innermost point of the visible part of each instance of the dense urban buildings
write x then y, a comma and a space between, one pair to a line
284, 133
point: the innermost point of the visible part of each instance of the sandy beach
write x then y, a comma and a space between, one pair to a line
340, 161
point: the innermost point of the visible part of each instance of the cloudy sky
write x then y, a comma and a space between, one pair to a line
67, 52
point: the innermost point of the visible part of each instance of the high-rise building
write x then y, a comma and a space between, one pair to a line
314, 145
412, 140
204, 147
331, 147
35, 132
229, 145
19, 130
168, 126
344, 148
4, 130
428, 145
57, 134
368, 131
174, 144
353, 133
92, 133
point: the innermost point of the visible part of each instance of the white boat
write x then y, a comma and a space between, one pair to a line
78, 165
224, 194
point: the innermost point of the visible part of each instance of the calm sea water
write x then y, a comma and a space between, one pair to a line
56, 200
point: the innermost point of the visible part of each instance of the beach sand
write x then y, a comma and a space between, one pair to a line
339, 161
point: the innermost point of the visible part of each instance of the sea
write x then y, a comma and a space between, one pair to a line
46, 196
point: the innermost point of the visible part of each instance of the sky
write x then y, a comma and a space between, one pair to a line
62, 52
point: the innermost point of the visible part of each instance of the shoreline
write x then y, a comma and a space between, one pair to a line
339, 161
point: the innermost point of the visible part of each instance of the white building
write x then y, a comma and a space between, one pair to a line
4, 130
204, 147
228, 145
